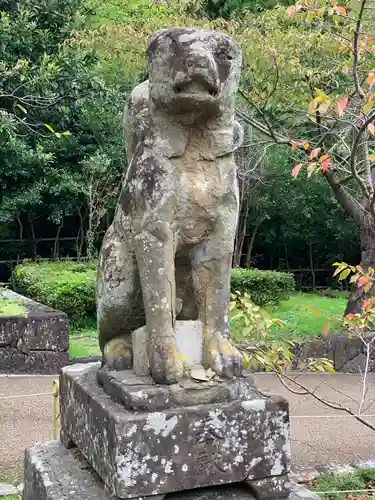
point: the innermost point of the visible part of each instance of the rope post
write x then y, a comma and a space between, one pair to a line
55, 409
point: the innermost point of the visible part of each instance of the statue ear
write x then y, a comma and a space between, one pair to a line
227, 140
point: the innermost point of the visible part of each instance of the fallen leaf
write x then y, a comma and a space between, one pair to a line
296, 169
371, 127
198, 373
373, 49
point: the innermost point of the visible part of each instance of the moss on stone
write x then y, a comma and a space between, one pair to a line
11, 307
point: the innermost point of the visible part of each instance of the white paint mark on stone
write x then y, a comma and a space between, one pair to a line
184, 468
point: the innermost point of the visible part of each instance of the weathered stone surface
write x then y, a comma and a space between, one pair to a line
33, 337
271, 488
46, 362
141, 364
7, 489
12, 361
139, 454
143, 394
347, 353
298, 492
173, 232
54, 473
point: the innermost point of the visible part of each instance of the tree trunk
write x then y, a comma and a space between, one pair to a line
367, 234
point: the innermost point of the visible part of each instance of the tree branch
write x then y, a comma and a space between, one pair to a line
343, 197
357, 32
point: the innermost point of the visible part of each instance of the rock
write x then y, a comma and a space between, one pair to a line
364, 464
304, 475
33, 337
54, 473
143, 453
298, 492
7, 489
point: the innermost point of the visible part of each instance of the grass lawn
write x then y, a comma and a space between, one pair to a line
360, 479
308, 314
83, 340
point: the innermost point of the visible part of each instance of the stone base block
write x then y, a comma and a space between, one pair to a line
54, 473
145, 453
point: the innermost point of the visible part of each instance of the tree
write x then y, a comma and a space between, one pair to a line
56, 112
336, 136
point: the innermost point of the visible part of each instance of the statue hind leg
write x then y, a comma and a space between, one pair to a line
120, 308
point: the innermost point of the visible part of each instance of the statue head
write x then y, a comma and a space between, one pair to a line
193, 72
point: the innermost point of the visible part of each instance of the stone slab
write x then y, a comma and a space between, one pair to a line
189, 341
33, 337
54, 473
151, 453
7, 489
143, 394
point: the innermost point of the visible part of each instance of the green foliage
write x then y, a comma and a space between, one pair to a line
66, 286
234, 9
253, 337
264, 287
360, 479
58, 115
307, 315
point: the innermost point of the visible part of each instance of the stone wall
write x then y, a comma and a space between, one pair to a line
33, 337
347, 353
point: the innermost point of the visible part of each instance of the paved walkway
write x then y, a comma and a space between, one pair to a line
315, 441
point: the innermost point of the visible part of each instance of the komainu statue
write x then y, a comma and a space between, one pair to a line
168, 253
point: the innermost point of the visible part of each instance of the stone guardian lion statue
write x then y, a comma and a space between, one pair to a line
168, 253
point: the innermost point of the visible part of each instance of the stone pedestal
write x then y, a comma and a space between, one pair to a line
54, 473
241, 438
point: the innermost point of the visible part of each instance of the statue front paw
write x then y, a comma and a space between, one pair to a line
118, 354
166, 363
222, 357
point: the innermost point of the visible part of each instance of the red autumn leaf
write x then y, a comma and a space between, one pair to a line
314, 153
294, 146
325, 163
371, 127
373, 49
326, 327
341, 105
292, 11
351, 316
296, 169
366, 303
362, 281
340, 10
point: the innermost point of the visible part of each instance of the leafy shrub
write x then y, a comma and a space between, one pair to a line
70, 286
66, 286
264, 287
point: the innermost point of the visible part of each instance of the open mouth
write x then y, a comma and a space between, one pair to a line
195, 88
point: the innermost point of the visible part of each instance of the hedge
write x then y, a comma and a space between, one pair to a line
70, 286
65, 286
264, 287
